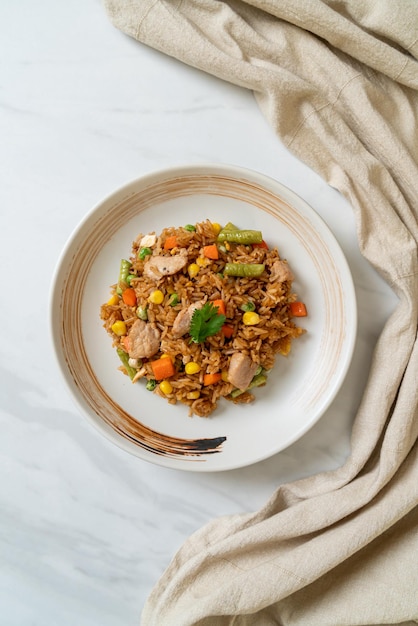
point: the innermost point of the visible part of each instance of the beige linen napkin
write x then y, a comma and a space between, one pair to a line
338, 81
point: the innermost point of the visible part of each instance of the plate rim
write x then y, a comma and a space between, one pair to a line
209, 169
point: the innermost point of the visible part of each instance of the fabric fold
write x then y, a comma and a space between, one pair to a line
338, 82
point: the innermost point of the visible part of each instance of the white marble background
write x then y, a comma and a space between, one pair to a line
86, 529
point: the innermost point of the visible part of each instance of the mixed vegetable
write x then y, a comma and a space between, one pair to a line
139, 343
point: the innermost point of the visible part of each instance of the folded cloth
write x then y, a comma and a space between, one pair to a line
338, 81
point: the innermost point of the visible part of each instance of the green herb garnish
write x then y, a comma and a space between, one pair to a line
206, 322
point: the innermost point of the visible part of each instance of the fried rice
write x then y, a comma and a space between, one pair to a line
257, 338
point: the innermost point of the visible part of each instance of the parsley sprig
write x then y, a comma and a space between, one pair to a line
206, 322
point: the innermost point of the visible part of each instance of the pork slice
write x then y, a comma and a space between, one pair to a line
163, 265
143, 340
181, 324
280, 271
241, 370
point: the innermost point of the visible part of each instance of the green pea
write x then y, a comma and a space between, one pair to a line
143, 253
151, 385
142, 313
190, 228
247, 306
130, 277
244, 270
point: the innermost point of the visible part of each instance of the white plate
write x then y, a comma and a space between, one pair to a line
300, 387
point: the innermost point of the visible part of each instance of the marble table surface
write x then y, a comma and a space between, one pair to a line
85, 528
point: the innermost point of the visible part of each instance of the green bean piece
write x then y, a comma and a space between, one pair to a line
241, 236
143, 253
230, 226
142, 313
257, 381
124, 357
244, 270
247, 306
258, 371
123, 274
190, 228
151, 385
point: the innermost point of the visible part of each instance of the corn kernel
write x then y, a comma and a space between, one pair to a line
113, 300
224, 375
119, 328
193, 395
216, 227
165, 387
202, 261
193, 270
156, 297
285, 346
167, 356
250, 318
227, 246
192, 367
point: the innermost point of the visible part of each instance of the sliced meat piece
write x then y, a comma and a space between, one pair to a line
181, 324
164, 265
241, 370
280, 271
143, 340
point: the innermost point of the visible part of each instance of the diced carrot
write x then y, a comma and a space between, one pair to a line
211, 252
221, 306
262, 244
211, 379
227, 330
129, 297
126, 343
298, 309
163, 368
170, 242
